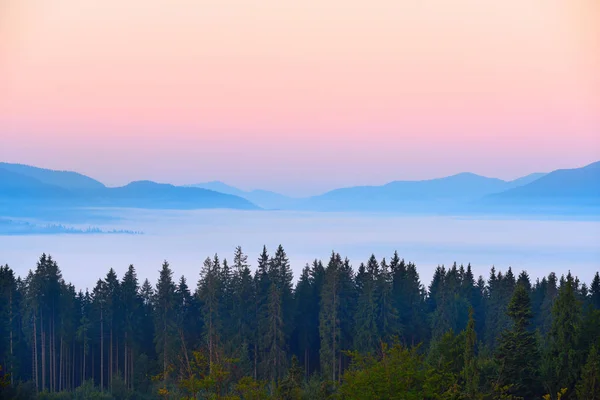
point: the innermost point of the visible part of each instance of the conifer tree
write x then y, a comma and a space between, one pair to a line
470, 372
595, 291
367, 334
565, 353
329, 318
588, 387
517, 354
166, 334
209, 295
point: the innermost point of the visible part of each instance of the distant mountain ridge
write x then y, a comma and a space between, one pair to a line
22, 185
262, 198
571, 185
463, 193
64, 179
411, 195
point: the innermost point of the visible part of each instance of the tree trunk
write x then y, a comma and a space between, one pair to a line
110, 360
60, 368
131, 358
35, 354
125, 360
255, 360
12, 373
101, 351
43, 348
164, 347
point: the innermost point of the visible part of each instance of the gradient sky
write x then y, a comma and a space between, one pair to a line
299, 96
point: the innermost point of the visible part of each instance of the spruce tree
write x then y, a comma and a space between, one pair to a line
595, 291
517, 354
470, 372
166, 331
588, 387
367, 335
565, 353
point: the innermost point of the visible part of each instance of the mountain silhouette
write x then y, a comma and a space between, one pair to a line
563, 186
23, 186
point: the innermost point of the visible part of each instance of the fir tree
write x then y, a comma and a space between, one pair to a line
517, 354
588, 387
565, 355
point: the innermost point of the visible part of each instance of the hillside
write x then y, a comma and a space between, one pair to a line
65, 179
560, 186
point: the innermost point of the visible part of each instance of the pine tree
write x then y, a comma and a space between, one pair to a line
329, 318
388, 323
470, 372
565, 354
166, 335
306, 318
209, 295
595, 291
243, 315
588, 387
131, 303
517, 354
367, 335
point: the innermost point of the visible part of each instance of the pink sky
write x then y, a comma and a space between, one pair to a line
299, 96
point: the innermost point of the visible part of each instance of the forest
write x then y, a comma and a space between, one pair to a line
335, 332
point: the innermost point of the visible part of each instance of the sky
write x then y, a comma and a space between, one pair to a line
299, 96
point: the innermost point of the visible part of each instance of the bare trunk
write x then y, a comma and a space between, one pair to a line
131, 358
83, 366
12, 379
101, 351
340, 370
110, 360
43, 348
255, 360
73, 368
60, 368
125, 360
117, 357
164, 347
35, 354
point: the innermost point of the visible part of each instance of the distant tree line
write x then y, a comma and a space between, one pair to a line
337, 333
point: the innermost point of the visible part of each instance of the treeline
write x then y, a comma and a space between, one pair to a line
371, 333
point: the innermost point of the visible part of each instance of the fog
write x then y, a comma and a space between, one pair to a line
186, 238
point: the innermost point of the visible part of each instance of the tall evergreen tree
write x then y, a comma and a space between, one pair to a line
588, 387
470, 372
166, 331
367, 335
565, 356
517, 354
209, 294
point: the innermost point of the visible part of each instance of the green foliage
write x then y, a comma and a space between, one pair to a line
588, 387
336, 335
517, 354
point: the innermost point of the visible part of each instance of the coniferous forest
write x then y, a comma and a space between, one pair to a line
336, 332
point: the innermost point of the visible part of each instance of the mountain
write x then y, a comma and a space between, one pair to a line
25, 189
220, 187
147, 194
404, 195
526, 179
262, 198
17, 186
64, 179
560, 187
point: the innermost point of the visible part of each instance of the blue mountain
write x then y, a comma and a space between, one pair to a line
438, 193
563, 186
24, 189
262, 198
64, 179
14, 185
